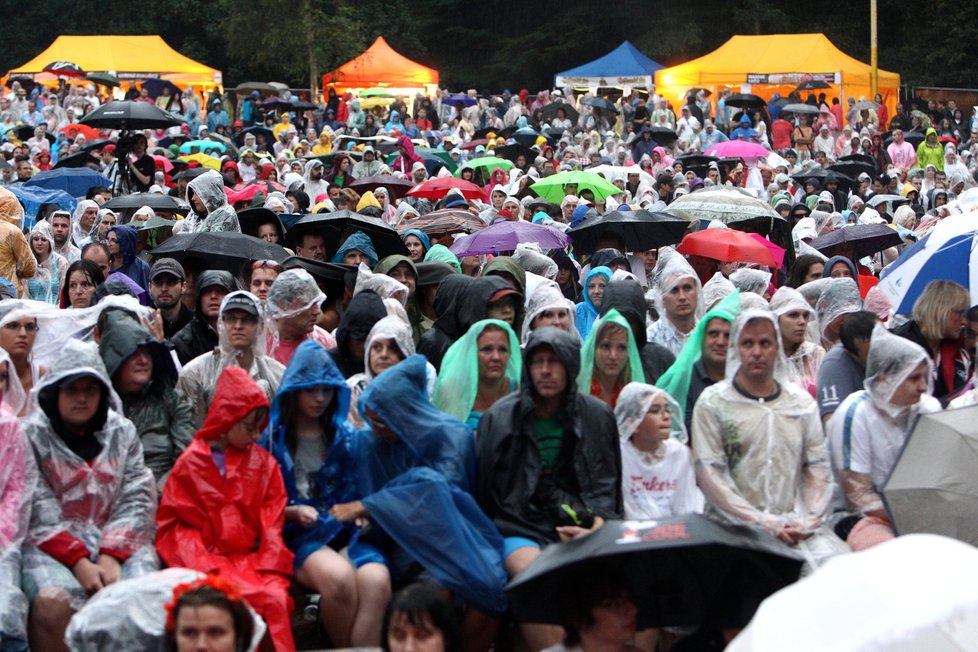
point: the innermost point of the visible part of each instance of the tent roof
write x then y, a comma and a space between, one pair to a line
123, 54
381, 64
770, 54
624, 61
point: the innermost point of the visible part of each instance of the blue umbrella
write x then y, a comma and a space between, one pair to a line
949, 252
74, 181
459, 101
203, 146
32, 198
156, 86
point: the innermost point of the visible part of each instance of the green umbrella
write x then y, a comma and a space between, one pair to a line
552, 188
489, 162
376, 92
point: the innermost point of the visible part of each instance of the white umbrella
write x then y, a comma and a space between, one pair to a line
728, 205
610, 172
907, 595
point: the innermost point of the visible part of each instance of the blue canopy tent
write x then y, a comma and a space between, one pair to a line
623, 66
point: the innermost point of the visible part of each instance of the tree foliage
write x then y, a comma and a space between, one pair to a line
496, 44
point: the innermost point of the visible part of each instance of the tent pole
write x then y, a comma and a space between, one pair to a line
873, 49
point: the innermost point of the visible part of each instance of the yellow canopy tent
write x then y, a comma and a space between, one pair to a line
777, 63
382, 66
127, 57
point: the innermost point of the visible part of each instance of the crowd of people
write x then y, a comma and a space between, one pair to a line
401, 435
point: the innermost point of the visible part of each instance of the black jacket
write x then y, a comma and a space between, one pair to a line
197, 337
628, 298
364, 311
511, 487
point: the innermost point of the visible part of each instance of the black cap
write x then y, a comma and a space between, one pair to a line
167, 266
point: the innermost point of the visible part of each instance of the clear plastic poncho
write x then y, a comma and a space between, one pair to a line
106, 503
382, 285
633, 371
747, 279
229, 354
293, 292
18, 478
535, 261
812, 290
131, 615
633, 404
716, 289
781, 373
839, 297
677, 378
891, 359
546, 297
458, 377
670, 268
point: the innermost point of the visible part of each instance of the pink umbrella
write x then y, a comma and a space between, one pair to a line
775, 250
165, 162
738, 149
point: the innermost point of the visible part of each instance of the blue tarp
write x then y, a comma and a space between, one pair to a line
623, 66
33, 197
74, 181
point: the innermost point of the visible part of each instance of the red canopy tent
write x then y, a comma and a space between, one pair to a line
381, 66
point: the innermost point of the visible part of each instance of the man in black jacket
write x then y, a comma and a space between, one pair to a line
549, 465
200, 335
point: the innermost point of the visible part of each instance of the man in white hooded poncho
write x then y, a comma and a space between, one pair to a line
759, 451
678, 300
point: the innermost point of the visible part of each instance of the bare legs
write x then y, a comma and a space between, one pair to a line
537, 636
50, 613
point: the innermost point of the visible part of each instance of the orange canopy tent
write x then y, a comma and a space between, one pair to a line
381, 66
776, 63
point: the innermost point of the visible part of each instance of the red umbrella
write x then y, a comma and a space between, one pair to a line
247, 191
776, 251
472, 144
437, 188
726, 245
65, 69
72, 131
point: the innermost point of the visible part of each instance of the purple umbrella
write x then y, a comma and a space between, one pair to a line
504, 236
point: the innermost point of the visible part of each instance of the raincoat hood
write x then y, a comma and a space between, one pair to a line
10, 209
607, 258
390, 262
831, 262
633, 404
294, 291
634, 372
475, 302
628, 298
670, 269
365, 310
211, 277
233, 301
458, 378
420, 235
126, 235
77, 359
546, 297
448, 300
891, 360
565, 346
235, 396
746, 279
442, 254
357, 242
122, 335
311, 366
840, 296
509, 265
209, 187
733, 353
391, 327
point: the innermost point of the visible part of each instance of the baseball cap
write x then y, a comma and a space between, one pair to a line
167, 266
239, 301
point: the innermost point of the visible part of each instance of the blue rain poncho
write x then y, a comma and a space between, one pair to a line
586, 312
335, 482
417, 489
357, 242
458, 379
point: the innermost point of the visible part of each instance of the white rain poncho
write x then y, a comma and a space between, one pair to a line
535, 261
657, 485
839, 298
18, 477
45, 285
715, 290
746, 279
131, 615
761, 461
671, 269
293, 292
812, 291
380, 284
803, 364
84, 506
868, 430
546, 297
78, 234
198, 378
218, 215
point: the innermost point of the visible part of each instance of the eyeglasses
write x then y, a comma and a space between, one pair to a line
16, 326
266, 264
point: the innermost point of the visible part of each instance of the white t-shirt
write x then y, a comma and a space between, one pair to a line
659, 489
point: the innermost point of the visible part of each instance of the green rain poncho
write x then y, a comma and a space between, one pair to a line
677, 378
634, 373
458, 378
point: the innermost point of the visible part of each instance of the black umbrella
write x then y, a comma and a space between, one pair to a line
276, 103
857, 240
812, 85
550, 111
684, 571
510, 152
528, 137
854, 168
220, 250
103, 79
663, 135
800, 109
189, 173
694, 91
156, 86
157, 202
77, 160
25, 132
500, 133
255, 131
65, 69
641, 230
330, 277
304, 106
745, 100
130, 115
698, 163
336, 227
600, 103
251, 219
328, 159
824, 176
396, 186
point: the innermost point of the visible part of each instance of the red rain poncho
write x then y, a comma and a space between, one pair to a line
231, 524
